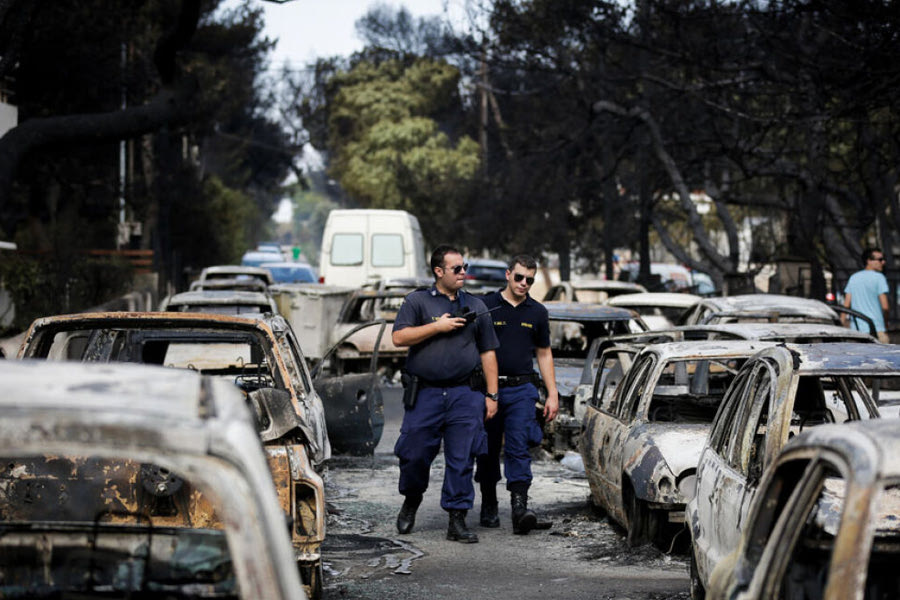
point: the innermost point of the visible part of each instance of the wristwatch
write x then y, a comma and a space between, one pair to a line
493, 397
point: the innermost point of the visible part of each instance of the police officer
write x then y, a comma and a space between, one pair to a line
523, 329
444, 352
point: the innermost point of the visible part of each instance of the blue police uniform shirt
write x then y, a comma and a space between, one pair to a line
864, 288
520, 330
447, 356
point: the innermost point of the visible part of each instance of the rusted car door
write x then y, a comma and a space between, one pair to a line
724, 465
355, 405
613, 365
613, 429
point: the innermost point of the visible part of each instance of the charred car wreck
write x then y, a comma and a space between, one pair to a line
135, 482
260, 356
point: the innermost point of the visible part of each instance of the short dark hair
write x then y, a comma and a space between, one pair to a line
867, 253
526, 260
437, 257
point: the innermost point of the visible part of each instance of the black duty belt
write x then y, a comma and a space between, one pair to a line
445, 383
514, 380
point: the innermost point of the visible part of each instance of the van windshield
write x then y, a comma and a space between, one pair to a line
387, 250
347, 249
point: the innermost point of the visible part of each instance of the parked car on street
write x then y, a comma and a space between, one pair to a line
261, 357
225, 302
779, 393
591, 290
646, 424
573, 328
485, 275
823, 523
126, 481
659, 310
291, 272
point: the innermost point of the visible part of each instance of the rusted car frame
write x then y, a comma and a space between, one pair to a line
646, 425
354, 351
356, 417
574, 327
76, 517
260, 355
778, 393
823, 523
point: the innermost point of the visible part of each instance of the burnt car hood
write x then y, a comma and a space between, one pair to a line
680, 445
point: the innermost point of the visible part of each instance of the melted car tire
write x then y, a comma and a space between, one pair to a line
698, 592
643, 522
313, 576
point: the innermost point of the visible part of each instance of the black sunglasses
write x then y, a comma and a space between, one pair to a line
878, 258
519, 277
457, 268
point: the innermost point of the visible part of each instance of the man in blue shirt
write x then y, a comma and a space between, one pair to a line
866, 292
523, 328
449, 334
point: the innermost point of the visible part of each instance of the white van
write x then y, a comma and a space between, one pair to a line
362, 246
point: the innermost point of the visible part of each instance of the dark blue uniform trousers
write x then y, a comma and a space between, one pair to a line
456, 415
516, 420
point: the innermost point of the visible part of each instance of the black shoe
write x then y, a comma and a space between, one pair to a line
406, 518
523, 519
489, 516
457, 530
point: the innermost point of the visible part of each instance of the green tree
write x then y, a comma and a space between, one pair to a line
386, 147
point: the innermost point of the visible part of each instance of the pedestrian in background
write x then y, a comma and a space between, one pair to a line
866, 292
523, 328
449, 335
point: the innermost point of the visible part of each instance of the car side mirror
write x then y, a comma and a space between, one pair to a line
274, 412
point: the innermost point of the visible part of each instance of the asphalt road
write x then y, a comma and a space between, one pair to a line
581, 557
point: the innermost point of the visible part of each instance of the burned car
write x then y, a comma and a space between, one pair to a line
592, 291
235, 272
355, 345
127, 481
259, 355
225, 302
646, 424
573, 329
659, 310
779, 393
824, 521
231, 283
745, 308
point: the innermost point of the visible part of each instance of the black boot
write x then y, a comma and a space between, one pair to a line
489, 517
523, 519
406, 518
457, 530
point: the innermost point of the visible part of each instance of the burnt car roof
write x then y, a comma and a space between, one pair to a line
702, 349
779, 330
757, 303
841, 358
664, 299
220, 297
235, 270
155, 319
585, 311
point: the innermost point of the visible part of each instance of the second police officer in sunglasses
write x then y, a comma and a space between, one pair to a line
523, 329
449, 335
